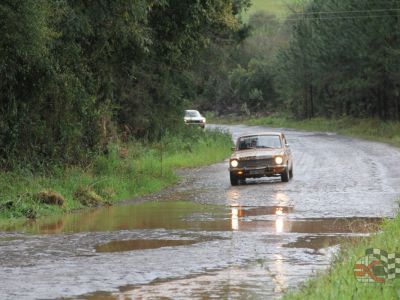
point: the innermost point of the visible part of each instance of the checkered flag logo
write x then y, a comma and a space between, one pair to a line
390, 261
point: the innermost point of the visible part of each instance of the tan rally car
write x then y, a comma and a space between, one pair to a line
261, 155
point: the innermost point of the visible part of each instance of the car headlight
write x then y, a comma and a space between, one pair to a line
278, 160
234, 163
204, 120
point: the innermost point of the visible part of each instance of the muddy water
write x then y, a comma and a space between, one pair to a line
148, 215
192, 216
131, 245
253, 241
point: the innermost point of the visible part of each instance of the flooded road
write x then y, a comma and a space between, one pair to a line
205, 239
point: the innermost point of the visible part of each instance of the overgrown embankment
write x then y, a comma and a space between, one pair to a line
127, 170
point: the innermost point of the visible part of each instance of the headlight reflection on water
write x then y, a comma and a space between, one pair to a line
279, 224
235, 218
280, 220
279, 269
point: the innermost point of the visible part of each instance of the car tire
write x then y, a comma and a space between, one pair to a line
285, 176
234, 180
291, 172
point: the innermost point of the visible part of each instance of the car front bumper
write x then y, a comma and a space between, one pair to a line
268, 171
201, 124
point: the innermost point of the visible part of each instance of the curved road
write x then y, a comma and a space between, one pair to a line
252, 241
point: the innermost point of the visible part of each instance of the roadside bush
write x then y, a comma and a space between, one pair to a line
88, 197
50, 197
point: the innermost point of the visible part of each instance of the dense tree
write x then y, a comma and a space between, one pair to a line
343, 60
74, 73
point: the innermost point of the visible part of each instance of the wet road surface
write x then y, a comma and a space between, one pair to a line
205, 239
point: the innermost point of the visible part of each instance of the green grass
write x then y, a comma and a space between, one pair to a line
127, 171
340, 283
280, 8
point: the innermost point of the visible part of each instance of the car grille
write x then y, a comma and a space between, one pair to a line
256, 163
194, 121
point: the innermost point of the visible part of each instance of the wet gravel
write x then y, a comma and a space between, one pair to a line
268, 237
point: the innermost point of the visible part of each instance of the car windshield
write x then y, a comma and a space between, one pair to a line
192, 114
260, 141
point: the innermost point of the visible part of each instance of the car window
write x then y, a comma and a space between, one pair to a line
192, 114
260, 141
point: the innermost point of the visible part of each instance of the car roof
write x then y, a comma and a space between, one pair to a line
191, 110
262, 133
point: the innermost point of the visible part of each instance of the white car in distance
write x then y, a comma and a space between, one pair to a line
193, 117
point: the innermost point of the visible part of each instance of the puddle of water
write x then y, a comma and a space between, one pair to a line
277, 221
261, 280
250, 282
130, 245
9, 239
148, 215
321, 241
327, 225
286, 225
193, 216
244, 211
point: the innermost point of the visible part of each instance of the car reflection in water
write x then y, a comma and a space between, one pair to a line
235, 218
279, 222
275, 223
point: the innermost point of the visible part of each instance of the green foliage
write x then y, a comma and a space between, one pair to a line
245, 78
44, 110
343, 63
279, 8
254, 86
76, 74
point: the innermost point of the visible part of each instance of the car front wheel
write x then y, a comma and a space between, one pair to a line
234, 179
285, 175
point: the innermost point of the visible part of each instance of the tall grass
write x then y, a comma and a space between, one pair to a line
127, 171
280, 8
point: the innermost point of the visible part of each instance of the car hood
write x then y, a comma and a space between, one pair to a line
256, 153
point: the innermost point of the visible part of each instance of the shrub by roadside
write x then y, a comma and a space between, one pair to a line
127, 170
